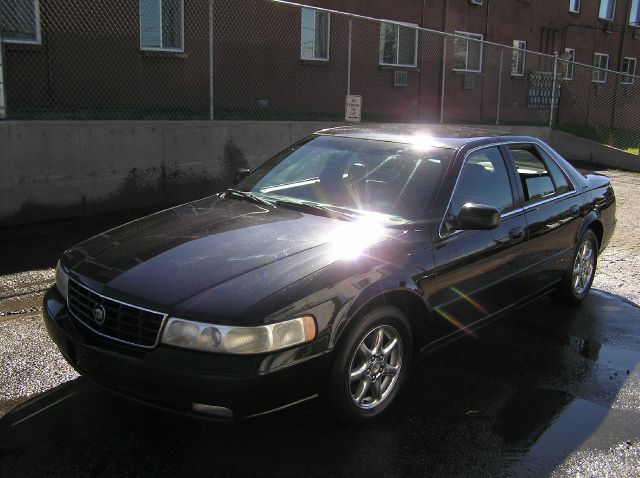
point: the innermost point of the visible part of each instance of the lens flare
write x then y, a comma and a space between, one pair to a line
470, 300
451, 319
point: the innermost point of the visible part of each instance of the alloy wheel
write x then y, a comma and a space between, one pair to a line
375, 367
583, 267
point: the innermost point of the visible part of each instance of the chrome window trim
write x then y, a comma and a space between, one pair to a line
537, 204
162, 323
464, 160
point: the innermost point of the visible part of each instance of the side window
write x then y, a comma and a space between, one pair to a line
540, 178
483, 180
560, 180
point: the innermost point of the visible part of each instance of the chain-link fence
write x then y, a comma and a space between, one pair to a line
274, 60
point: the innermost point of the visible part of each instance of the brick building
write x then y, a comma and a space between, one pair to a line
127, 59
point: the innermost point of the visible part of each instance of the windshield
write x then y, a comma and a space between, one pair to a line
363, 176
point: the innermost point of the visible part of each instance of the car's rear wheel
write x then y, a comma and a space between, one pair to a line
371, 364
582, 269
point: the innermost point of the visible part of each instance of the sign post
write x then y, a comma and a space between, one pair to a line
353, 108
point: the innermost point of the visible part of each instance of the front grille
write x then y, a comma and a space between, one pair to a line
122, 322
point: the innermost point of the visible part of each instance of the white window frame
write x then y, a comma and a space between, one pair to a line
519, 48
314, 58
161, 48
569, 64
628, 76
473, 36
38, 37
599, 71
415, 49
634, 13
574, 6
603, 9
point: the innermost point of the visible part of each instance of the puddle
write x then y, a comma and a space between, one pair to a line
604, 354
528, 413
565, 433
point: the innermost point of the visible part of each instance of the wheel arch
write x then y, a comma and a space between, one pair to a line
592, 221
409, 302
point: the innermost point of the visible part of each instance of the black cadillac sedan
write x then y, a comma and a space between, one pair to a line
326, 271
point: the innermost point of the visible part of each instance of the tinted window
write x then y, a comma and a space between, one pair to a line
540, 179
358, 174
483, 180
560, 180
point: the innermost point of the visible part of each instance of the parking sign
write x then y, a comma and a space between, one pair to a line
353, 108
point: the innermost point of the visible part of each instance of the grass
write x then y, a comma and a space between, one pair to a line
624, 139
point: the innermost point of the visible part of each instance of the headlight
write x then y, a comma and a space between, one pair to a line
62, 281
239, 340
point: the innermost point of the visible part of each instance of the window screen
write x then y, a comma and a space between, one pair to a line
161, 24
19, 21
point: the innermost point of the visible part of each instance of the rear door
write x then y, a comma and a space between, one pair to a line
553, 210
477, 270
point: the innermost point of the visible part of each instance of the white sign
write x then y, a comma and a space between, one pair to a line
353, 108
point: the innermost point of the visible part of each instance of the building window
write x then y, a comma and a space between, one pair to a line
567, 66
607, 9
574, 6
314, 34
467, 52
20, 21
600, 60
518, 57
162, 25
398, 45
628, 67
634, 14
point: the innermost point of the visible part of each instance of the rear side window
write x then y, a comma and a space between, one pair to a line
483, 180
540, 178
560, 180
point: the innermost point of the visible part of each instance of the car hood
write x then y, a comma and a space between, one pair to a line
214, 257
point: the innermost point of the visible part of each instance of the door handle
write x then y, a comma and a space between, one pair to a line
516, 235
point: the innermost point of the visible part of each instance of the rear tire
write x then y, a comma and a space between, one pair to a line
371, 365
578, 278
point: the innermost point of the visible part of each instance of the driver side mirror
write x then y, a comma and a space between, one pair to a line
240, 175
477, 217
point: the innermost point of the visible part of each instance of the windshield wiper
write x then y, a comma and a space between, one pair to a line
324, 210
250, 196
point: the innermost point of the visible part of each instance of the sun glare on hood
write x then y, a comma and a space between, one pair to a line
351, 240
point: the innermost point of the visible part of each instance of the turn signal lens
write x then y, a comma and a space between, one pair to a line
239, 340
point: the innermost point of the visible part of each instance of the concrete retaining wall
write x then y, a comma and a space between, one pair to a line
58, 169
62, 169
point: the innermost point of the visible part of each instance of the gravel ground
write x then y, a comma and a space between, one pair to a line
619, 265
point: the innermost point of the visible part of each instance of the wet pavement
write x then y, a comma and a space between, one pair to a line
548, 391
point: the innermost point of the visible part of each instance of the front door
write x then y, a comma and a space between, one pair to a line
477, 271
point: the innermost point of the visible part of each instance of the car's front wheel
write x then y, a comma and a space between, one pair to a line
371, 364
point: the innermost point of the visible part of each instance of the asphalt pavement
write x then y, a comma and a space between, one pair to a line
548, 391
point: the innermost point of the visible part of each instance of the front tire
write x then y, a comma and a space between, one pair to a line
371, 365
582, 269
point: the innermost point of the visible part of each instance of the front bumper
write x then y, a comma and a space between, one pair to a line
175, 379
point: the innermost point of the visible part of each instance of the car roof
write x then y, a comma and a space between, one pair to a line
428, 135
